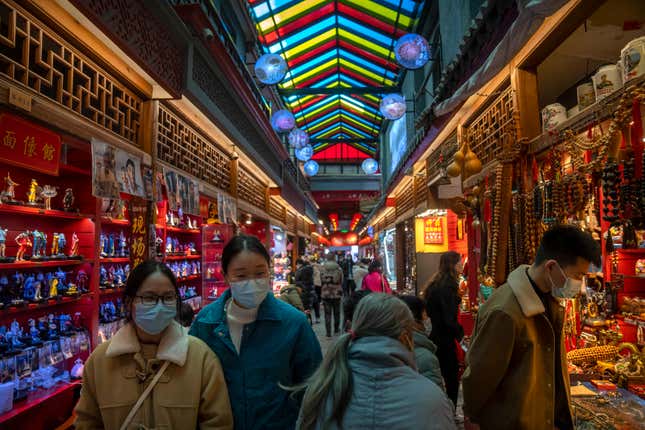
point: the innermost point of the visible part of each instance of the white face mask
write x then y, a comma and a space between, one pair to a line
568, 290
251, 292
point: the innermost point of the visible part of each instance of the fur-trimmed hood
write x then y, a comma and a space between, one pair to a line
173, 346
526, 296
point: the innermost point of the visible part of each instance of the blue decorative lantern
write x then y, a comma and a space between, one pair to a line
393, 106
412, 51
305, 153
311, 168
282, 121
270, 69
298, 138
369, 166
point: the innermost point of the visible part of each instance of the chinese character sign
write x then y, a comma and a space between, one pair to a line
28, 145
433, 230
138, 231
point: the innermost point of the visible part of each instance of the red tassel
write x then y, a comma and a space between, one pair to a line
637, 139
588, 156
488, 212
535, 172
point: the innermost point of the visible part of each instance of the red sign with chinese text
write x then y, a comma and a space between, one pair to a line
433, 230
139, 231
27, 145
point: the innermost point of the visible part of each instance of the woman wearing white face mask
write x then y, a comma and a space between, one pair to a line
263, 342
152, 374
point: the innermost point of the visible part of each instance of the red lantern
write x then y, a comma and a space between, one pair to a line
351, 238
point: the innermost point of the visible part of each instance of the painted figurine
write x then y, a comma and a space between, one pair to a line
24, 243
33, 332
119, 277
47, 193
53, 286
111, 248
168, 245
103, 276
40, 279
9, 193
55, 239
62, 243
73, 252
104, 245
3, 241
123, 245
39, 244
126, 271
32, 195
68, 200
81, 281
62, 278
30, 291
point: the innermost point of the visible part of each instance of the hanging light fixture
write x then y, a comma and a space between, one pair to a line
305, 153
393, 106
412, 51
270, 69
311, 168
298, 138
282, 121
369, 166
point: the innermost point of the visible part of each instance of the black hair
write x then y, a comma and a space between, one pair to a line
186, 315
565, 244
129, 163
351, 303
416, 306
365, 261
240, 244
374, 266
300, 261
140, 273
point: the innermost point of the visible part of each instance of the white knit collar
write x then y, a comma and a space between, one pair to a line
239, 314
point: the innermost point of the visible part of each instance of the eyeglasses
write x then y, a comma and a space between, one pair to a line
168, 299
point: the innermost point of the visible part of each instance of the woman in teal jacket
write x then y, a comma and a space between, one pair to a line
262, 343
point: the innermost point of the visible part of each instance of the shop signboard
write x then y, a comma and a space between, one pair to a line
139, 231
433, 230
27, 145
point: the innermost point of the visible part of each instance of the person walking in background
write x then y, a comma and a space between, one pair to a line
360, 271
186, 315
317, 288
368, 379
291, 294
347, 264
424, 349
349, 306
442, 306
517, 375
176, 377
332, 289
305, 281
261, 341
375, 281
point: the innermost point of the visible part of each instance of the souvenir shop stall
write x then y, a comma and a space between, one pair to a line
280, 252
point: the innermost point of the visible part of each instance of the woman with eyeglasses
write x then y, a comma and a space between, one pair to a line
264, 343
151, 373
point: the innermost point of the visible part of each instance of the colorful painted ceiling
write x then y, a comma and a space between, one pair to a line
340, 59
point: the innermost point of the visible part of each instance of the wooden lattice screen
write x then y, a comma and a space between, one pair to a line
405, 200
420, 189
36, 57
484, 132
276, 210
292, 222
181, 146
251, 190
442, 154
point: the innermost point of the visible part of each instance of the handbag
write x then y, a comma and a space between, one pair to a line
144, 396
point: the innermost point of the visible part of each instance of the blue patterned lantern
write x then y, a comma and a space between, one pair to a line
412, 51
393, 106
298, 138
369, 166
311, 168
305, 153
270, 69
282, 121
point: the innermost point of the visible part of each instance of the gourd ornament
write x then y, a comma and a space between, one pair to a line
472, 164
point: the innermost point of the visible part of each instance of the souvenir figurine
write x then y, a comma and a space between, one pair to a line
126, 271
34, 333
40, 280
65, 324
52, 334
103, 241
55, 238
119, 277
32, 195
30, 291
81, 281
103, 277
53, 285
9, 194
168, 246
159, 246
77, 321
62, 279
111, 250
171, 219
73, 252
191, 248
72, 290
24, 243
111, 276
3, 241
4, 289
15, 333
47, 193
39, 244
212, 213
77, 370
119, 209
16, 290
216, 237
175, 246
68, 200
123, 245
62, 243
120, 308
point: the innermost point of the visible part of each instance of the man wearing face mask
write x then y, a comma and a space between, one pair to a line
517, 374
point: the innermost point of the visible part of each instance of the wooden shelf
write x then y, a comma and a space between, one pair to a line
189, 278
36, 264
66, 168
636, 251
114, 260
26, 210
110, 291
113, 221
37, 397
182, 257
183, 230
40, 306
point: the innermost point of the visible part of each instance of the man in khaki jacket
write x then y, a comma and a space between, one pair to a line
517, 376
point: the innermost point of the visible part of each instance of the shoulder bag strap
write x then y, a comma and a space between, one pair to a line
144, 396
382, 283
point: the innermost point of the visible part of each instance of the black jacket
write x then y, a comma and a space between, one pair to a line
442, 306
305, 276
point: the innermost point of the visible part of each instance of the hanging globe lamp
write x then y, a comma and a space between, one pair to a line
412, 51
369, 166
270, 69
393, 106
282, 121
305, 153
298, 138
311, 168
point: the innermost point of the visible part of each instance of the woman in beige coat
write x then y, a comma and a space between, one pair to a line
153, 358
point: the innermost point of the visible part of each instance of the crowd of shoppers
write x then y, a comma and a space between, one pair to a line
251, 361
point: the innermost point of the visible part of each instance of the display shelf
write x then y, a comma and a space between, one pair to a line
49, 263
182, 257
66, 168
636, 251
112, 221
40, 306
110, 291
189, 278
114, 260
37, 397
182, 230
51, 213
